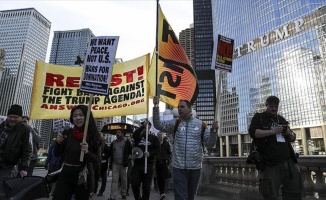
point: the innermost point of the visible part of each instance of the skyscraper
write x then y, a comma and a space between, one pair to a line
279, 50
2, 62
203, 43
186, 38
67, 45
24, 35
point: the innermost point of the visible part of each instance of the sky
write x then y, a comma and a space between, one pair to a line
134, 21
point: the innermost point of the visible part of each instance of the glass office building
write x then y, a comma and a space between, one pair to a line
203, 41
24, 36
67, 45
279, 50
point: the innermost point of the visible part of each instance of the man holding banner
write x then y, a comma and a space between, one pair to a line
190, 134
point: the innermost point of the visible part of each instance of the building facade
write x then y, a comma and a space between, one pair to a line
2, 62
203, 43
68, 45
279, 50
186, 39
24, 36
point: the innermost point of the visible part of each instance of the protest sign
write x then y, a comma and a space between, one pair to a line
56, 91
98, 64
222, 54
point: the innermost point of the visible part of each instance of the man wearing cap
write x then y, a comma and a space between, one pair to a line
120, 152
138, 176
15, 146
278, 162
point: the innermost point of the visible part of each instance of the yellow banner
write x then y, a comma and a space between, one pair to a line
56, 91
176, 78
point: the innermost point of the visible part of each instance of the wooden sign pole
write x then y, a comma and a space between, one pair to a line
86, 125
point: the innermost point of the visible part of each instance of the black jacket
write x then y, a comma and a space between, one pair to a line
18, 147
153, 147
272, 150
164, 156
126, 152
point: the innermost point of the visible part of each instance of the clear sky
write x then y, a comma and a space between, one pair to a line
133, 20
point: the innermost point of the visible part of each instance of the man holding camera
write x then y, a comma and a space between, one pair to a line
278, 162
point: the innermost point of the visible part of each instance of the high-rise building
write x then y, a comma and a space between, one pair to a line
24, 36
186, 39
2, 62
203, 43
279, 50
68, 45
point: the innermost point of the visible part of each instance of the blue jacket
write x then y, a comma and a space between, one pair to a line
187, 146
51, 159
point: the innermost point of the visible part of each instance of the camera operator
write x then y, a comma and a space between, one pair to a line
272, 133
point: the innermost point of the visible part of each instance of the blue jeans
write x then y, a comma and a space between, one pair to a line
185, 183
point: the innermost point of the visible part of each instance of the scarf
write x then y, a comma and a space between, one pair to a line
78, 132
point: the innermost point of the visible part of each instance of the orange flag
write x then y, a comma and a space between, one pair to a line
176, 77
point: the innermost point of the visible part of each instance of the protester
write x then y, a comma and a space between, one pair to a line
53, 163
120, 152
15, 146
189, 135
138, 176
104, 165
278, 163
129, 170
161, 164
36, 138
70, 143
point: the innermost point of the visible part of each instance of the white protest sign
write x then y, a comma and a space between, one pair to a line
98, 64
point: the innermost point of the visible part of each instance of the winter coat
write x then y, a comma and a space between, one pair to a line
187, 146
17, 148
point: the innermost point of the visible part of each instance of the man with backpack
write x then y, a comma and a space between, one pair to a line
189, 134
277, 161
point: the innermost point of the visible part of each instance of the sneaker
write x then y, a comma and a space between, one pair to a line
162, 196
124, 197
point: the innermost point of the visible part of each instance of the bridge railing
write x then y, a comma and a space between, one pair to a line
232, 178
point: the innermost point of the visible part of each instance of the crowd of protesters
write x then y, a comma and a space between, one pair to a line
81, 157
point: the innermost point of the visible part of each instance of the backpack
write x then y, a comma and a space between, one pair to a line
203, 128
256, 148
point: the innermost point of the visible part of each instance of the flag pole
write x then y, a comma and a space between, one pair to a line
218, 75
156, 45
81, 158
146, 146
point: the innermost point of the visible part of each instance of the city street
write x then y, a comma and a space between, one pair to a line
106, 194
